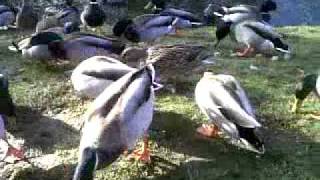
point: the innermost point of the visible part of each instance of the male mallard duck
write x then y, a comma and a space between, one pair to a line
309, 83
77, 47
91, 77
69, 13
26, 18
255, 35
243, 12
93, 15
145, 28
36, 46
7, 109
118, 117
225, 103
7, 15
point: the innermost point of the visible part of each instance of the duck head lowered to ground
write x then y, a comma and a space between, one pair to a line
307, 83
172, 62
116, 119
258, 37
222, 99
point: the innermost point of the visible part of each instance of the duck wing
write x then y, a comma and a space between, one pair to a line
262, 29
67, 11
181, 14
141, 20
242, 9
98, 42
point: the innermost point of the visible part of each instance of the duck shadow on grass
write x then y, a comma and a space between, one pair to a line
44, 133
287, 153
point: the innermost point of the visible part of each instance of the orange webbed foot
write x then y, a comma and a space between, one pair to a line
208, 130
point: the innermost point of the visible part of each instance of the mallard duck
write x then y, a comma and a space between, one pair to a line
69, 13
118, 117
92, 15
171, 61
222, 99
26, 18
51, 23
36, 46
255, 35
77, 47
7, 16
92, 76
7, 108
243, 12
309, 83
145, 28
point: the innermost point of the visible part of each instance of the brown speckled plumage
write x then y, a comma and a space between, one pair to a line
169, 60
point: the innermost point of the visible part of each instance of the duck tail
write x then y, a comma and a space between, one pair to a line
15, 47
87, 165
249, 135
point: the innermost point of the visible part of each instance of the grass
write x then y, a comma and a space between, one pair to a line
49, 115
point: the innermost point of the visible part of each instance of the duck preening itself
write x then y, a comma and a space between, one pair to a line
117, 118
222, 99
7, 108
91, 77
145, 28
255, 35
309, 83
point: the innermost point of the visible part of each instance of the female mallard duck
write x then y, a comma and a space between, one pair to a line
63, 21
118, 117
243, 12
51, 23
172, 62
77, 47
145, 28
255, 35
91, 77
7, 16
93, 15
7, 109
309, 83
26, 18
225, 103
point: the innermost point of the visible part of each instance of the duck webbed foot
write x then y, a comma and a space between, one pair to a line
246, 53
142, 154
13, 154
208, 130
